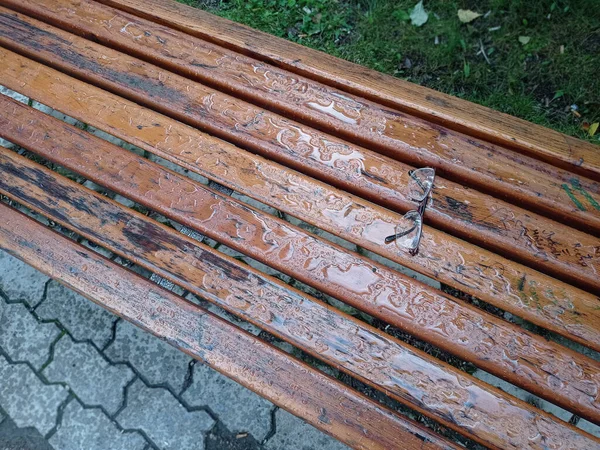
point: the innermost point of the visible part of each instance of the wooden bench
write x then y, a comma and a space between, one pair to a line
512, 223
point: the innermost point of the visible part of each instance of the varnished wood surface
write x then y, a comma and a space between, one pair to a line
540, 243
466, 332
543, 143
456, 399
452, 397
317, 398
542, 300
560, 194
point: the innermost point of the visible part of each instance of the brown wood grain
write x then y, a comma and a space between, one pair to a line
317, 398
465, 331
542, 244
456, 399
476, 120
522, 180
541, 300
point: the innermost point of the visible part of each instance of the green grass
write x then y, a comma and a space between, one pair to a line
536, 81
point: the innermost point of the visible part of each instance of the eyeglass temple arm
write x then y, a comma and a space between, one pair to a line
393, 237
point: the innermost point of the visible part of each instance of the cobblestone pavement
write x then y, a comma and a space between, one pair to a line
73, 376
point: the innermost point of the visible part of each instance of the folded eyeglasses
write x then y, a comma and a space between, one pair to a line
408, 231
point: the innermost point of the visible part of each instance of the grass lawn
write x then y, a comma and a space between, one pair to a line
541, 56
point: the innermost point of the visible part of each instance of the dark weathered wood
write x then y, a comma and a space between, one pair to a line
556, 306
523, 180
540, 243
464, 331
315, 397
456, 399
543, 143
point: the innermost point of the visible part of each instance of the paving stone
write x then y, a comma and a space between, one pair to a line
589, 427
90, 429
28, 401
164, 420
220, 188
12, 94
57, 114
156, 361
166, 284
293, 433
2, 416
240, 409
83, 319
14, 438
189, 232
88, 374
22, 337
6, 144
97, 248
20, 281
107, 137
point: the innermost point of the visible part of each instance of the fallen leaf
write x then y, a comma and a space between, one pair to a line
418, 15
524, 40
466, 15
593, 128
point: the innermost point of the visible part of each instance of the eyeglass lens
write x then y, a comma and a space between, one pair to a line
420, 183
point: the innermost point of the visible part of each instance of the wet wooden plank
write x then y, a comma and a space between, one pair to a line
559, 194
506, 350
543, 143
456, 399
540, 243
317, 398
541, 300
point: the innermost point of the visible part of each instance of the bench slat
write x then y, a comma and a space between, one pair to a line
524, 181
540, 243
543, 143
456, 399
293, 385
521, 357
559, 307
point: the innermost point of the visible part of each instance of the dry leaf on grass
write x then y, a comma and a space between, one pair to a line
418, 15
466, 15
524, 40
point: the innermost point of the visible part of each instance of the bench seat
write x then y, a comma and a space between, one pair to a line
511, 222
